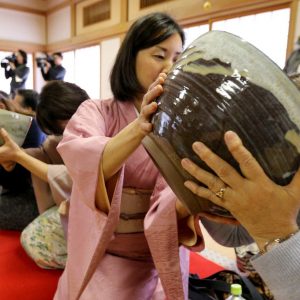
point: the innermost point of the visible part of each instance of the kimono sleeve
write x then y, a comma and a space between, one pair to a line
60, 183
55, 191
81, 149
165, 234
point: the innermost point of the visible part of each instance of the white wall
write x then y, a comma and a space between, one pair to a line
39, 80
59, 25
22, 26
109, 49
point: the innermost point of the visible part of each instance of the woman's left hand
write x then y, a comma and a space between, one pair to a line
9, 150
149, 106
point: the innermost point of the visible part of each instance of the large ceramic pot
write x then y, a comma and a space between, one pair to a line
220, 83
17, 125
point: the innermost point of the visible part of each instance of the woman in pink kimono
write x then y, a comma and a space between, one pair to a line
123, 237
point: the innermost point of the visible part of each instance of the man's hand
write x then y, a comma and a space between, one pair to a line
12, 65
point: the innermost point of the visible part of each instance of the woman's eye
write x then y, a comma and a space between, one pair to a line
175, 59
159, 56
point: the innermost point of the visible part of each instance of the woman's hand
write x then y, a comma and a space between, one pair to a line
8, 166
265, 209
9, 151
148, 106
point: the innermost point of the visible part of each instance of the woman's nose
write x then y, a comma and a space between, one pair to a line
167, 66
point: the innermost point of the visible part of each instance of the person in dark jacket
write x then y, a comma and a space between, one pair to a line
17, 201
18, 71
292, 65
54, 71
26, 102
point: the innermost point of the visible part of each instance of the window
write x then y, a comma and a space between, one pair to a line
267, 31
191, 33
4, 83
83, 69
87, 70
69, 65
29, 82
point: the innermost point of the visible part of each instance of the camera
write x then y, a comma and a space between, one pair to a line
41, 61
5, 61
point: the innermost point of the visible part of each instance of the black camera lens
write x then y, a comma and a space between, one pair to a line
5, 61
4, 64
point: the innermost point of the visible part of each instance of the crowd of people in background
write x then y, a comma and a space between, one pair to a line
82, 157
16, 69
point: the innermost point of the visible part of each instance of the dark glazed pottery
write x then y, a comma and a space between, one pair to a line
220, 83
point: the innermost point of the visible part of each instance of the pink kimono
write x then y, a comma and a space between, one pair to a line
102, 264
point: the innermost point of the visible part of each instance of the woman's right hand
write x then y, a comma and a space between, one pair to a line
8, 166
123, 144
9, 151
149, 106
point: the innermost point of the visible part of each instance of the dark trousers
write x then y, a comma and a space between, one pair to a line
17, 209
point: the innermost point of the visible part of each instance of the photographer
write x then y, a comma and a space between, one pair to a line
292, 65
16, 69
52, 68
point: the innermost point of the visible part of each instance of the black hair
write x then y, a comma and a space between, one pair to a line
24, 55
59, 100
58, 54
144, 33
3, 95
30, 98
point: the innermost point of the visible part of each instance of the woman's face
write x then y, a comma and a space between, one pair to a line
159, 58
19, 58
57, 60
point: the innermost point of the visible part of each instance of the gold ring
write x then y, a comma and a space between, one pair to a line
220, 193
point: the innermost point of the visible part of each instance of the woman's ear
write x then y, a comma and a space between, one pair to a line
7, 104
2, 105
